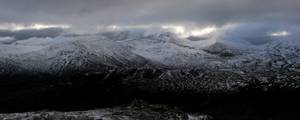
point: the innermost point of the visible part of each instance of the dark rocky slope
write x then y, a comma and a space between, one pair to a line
214, 92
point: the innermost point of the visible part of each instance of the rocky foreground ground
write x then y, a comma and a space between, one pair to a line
171, 93
139, 110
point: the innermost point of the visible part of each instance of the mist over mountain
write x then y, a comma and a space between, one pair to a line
42, 49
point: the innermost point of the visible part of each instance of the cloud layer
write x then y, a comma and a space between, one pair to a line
253, 21
88, 13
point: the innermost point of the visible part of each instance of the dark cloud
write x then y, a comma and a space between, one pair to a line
86, 14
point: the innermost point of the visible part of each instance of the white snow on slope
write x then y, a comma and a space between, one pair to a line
127, 49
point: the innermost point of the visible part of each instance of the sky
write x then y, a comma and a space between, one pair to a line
87, 15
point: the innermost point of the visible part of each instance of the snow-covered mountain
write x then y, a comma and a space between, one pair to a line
125, 49
104, 69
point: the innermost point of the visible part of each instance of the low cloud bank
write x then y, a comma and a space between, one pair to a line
9, 36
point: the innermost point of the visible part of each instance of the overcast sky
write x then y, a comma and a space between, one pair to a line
85, 14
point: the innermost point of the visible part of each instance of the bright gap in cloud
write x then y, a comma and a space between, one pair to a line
204, 31
180, 30
177, 29
185, 32
121, 27
280, 33
36, 26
